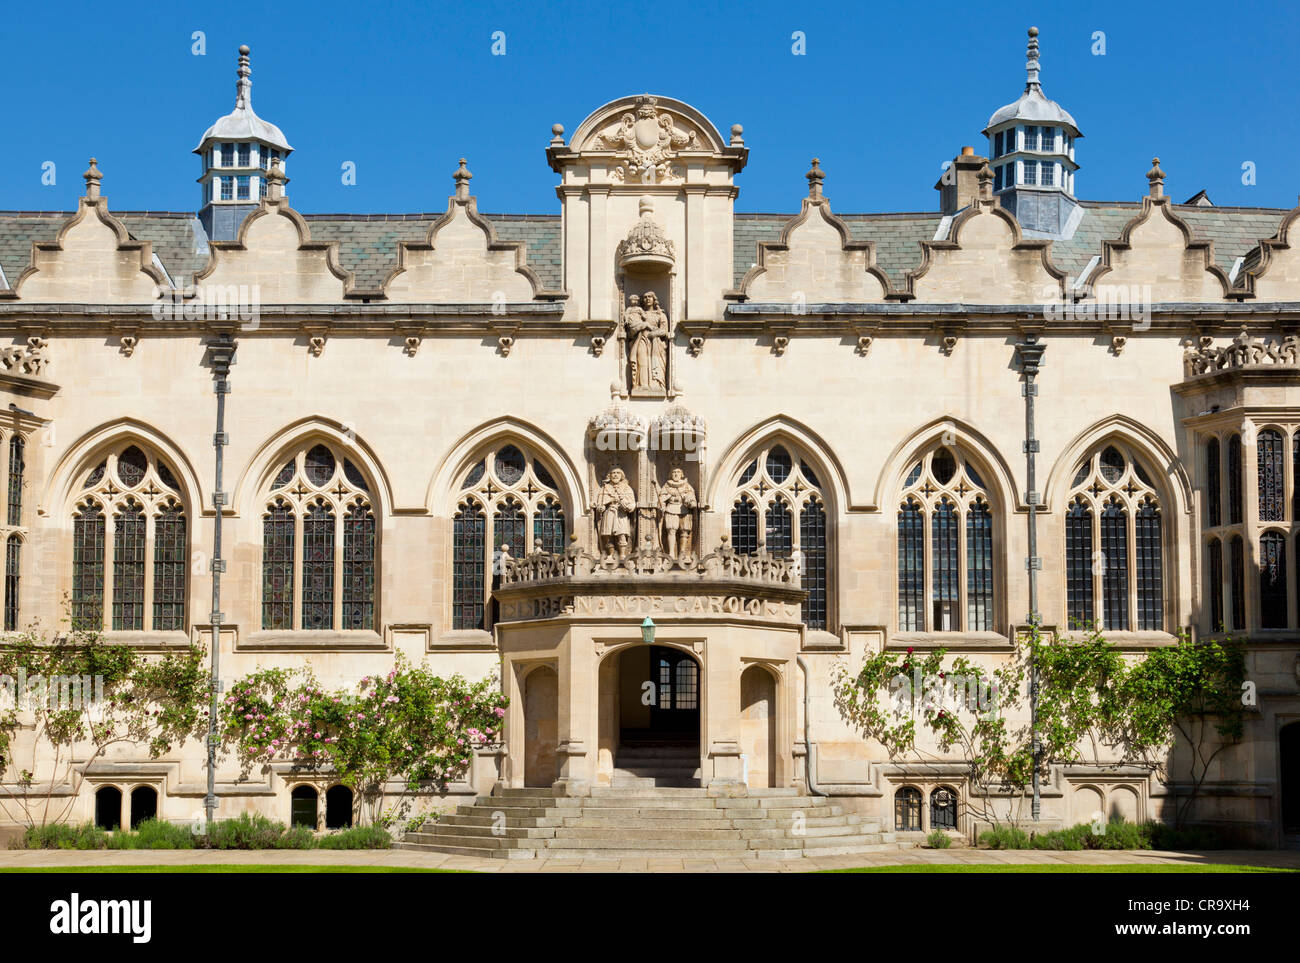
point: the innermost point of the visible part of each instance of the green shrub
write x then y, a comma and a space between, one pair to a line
63, 836
1004, 837
160, 834
938, 840
255, 831
360, 837
1163, 836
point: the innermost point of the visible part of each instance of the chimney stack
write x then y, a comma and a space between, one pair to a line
959, 186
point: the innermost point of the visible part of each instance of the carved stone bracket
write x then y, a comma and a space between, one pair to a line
316, 344
127, 343
864, 344
412, 345
779, 343
599, 332
948, 344
1117, 343
694, 346
505, 332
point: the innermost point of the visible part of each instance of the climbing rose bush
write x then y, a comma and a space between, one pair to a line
399, 732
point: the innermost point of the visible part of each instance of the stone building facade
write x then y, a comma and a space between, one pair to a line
787, 441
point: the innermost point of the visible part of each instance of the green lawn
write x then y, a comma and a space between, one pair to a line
1065, 868
225, 868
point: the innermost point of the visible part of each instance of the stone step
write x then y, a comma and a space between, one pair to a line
694, 792
503, 832
671, 842
453, 850
630, 834
650, 782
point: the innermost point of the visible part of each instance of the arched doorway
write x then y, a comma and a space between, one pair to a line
338, 807
108, 807
302, 807
758, 725
541, 725
650, 707
144, 805
1289, 750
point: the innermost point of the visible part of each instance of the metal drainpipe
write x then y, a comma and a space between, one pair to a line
221, 352
807, 742
1030, 353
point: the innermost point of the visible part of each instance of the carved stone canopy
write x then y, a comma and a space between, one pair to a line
646, 249
679, 421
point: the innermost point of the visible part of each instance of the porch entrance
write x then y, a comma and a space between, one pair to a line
658, 718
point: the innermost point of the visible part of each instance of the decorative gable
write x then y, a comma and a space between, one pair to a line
986, 260
93, 259
462, 261
1157, 255
1271, 270
275, 252
815, 259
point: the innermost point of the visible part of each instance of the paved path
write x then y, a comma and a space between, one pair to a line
406, 858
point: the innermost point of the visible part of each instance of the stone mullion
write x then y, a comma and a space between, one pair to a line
298, 549
1250, 524
1130, 537
110, 547
337, 620
1098, 579
927, 568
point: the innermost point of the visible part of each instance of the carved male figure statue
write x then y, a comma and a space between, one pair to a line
677, 508
615, 503
657, 332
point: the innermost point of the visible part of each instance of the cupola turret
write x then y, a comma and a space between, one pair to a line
1031, 154
236, 154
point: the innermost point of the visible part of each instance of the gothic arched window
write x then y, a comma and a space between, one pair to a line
945, 547
17, 469
785, 492
319, 545
129, 546
1235, 488
1271, 475
1214, 587
13, 570
1114, 544
507, 498
1213, 489
1238, 563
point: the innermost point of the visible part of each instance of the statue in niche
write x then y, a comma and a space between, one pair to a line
677, 512
615, 503
648, 331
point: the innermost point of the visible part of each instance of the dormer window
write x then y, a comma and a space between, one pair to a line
227, 188
1049, 174
243, 189
243, 155
227, 155
997, 145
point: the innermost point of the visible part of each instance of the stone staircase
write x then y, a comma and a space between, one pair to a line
644, 765
643, 821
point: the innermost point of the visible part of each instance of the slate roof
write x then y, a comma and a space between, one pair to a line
368, 242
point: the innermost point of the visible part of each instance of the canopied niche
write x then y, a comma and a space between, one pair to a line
646, 277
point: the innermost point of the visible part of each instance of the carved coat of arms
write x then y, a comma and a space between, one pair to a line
647, 142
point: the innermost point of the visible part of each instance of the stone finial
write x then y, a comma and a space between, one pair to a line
985, 178
93, 177
243, 86
557, 135
462, 178
737, 136
1031, 59
275, 181
815, 177
1156, 178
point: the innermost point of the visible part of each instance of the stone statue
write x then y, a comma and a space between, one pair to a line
677, 511
638, 349
657, 331
615, 503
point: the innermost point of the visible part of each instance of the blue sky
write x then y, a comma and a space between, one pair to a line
883, 95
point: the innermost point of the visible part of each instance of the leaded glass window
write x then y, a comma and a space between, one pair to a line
13, 571
1238, 563
1078, 565
359, 568
277, 566
17, 467
146, 582
779, 486
1114, 548
1272, 581
1235, 493
508, 497
946, 569
88, 568
812, 536
128, 568
744, 526
1214, 590
911, 568
169, 568
319, 544
1271, 477
1150, 596
1213, 488
979, 568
